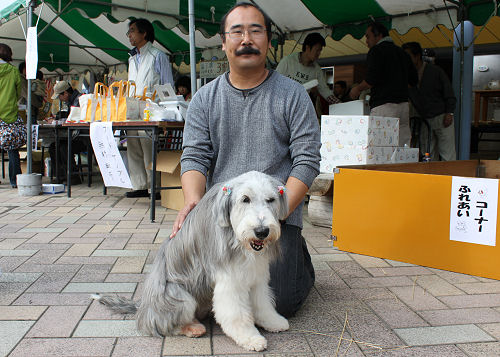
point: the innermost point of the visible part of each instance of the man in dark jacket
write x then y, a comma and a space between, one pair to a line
389, 73
436, 103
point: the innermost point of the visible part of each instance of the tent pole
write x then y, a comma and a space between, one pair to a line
192, 54
29, 22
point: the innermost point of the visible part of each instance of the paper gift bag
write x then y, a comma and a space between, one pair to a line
96, 110
125, 106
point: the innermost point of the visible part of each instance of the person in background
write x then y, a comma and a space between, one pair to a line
183, 87
303, 67
435, 101
147, 66
252, 118
341, 92
12, 128
390, 71
37, 91
70, 97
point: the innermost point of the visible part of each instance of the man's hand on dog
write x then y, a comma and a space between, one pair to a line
181, 216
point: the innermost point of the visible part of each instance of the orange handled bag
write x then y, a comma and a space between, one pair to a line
96, 106
124, 105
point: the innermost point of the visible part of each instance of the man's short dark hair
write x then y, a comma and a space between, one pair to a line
313, 39
144, 26
378, 28
183, 81
343, 84
5, 52
267, 20
413, 47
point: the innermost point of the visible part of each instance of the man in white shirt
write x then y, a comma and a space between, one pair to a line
147, 66
303, 66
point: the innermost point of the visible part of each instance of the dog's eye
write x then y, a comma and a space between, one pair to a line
269, 200
246, 199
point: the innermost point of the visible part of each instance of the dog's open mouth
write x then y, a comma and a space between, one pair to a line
257, 244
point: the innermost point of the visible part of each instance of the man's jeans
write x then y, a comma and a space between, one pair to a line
14, 166
292, 275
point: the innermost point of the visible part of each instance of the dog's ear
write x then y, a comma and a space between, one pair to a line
283, 202
222, 206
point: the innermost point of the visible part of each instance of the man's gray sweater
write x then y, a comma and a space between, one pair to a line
271, 128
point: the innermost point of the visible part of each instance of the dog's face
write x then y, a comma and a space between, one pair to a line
253, 204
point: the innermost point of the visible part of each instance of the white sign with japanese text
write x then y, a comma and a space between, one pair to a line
473, 210
212, 69
108, 157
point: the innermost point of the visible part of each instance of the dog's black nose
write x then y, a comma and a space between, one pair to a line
261, 232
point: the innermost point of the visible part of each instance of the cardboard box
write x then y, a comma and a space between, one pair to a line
361, 130
403, 212
354, 107
52, 188
169, 164
332, 156
36, 160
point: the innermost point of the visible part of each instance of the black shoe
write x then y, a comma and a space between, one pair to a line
137, 193
157, 196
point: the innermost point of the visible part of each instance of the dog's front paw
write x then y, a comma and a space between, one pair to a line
276, 324
254, 343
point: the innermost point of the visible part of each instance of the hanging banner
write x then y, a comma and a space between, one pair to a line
473, 212
31, 53
108, 157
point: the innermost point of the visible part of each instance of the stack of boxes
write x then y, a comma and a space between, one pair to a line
360, 140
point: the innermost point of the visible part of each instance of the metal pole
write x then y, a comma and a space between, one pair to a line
29, 18
192, 54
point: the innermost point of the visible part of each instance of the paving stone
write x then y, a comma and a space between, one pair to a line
184, 346
381, 281
482, 349
11, 332
349, 269
477, 300
374, 294
396, 314
455, 278
92, 273
330, 257
21, 312
417, 298
138, 346
437, 286
369, 262
113, 243
119, 253
50, 283
87, 260
106, 328
45, 347
424, 351
493, 329
419, 336
396, 271
100, 287
11, 243
48, 268
53, 299
328, 345
480, 288
57, 321
395, 263
131, 278
19, 277
9, 264
80, 250
460, 316
129, 265
47, 256
41, 230
68, 219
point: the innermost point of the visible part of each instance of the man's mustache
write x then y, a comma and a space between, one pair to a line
247, 51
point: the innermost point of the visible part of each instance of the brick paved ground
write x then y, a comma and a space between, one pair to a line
55, 252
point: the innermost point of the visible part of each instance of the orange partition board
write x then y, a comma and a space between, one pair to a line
405, 217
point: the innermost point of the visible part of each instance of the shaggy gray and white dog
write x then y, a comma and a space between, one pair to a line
220, 260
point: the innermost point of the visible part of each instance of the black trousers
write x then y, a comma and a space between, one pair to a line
77, 146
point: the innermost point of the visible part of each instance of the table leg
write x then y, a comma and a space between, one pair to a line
55, 165
153, 173
69, 167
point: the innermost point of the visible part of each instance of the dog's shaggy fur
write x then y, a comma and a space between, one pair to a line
220, 260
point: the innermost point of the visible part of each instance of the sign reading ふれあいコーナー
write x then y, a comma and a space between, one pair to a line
473, 210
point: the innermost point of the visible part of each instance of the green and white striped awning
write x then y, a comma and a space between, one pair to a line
88, 33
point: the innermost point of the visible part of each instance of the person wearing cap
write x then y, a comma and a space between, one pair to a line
147, 67
66, 94
303, 66
12, 127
